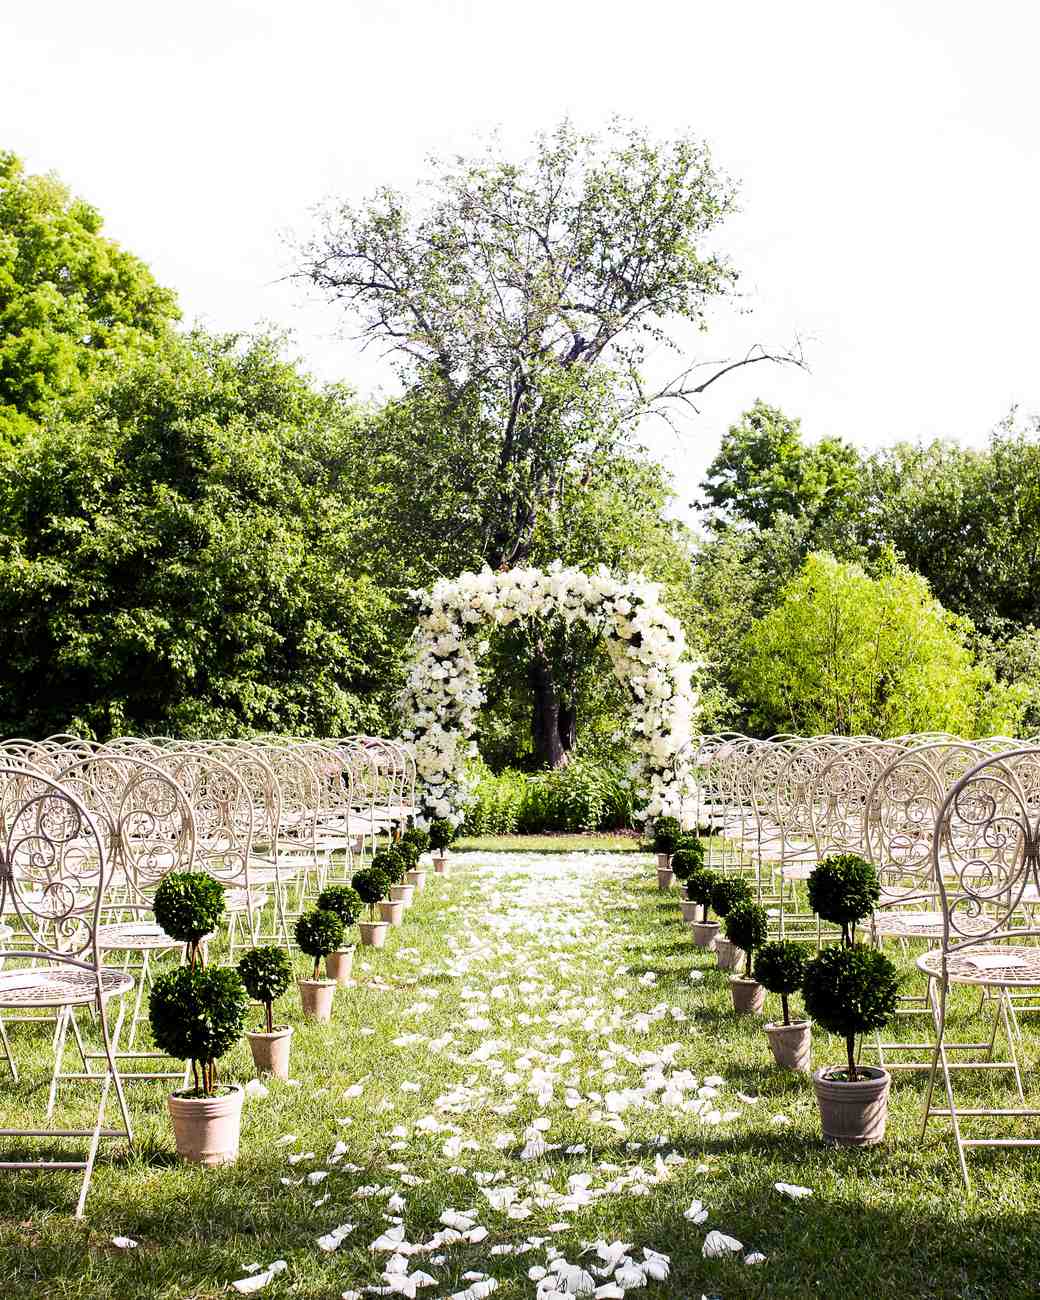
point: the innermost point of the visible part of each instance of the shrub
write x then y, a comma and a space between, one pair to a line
850, 991
747, 925
197, 1015
371, 884
318, 933
419, 838
408, 851
780, 967
700, 885
688, 857
727, 892
666, 834
392, 863
189, 905
266, 973
344, 900
843, 889
442, 832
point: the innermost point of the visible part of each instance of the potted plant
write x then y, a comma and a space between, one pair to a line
666, 835
843, 890
266, 973
420, 840
686, 859
779, 968
318, 933
699, 887
726, 893
390, 866
189, 905
348, 905
198, 1014
851, 990
371, 886
442, 833
405, 856
747, 927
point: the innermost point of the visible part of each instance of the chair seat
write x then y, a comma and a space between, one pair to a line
238, 900
1003, 965
134, 936
922, 925
59, 986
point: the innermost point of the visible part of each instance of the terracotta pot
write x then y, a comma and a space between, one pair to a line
402, 894
339, 964
853, 1114
748, 996
316, 997
417, 879
664, 861
392, 912
728, 955
791, 1045
373, 933
665, 877
689, 911
440, 864
206, 1129
271, 1051
705, 933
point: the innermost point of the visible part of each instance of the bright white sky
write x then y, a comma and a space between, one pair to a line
887, 154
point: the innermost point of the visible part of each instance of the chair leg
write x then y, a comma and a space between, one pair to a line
5, 1043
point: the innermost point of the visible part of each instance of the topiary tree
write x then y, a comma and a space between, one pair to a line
699, 886
318, 933
408, 851
442, 832
843, 889
197, 1015
727, 892
189, 905
849, 991
747, 925
666, 834
419, 838
344, 900
371, 884
392, 863
687, 859
780, 967
266, 973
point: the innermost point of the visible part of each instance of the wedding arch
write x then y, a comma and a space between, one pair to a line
647, 649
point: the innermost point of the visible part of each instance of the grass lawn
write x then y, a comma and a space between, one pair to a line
591, 842
529, 1050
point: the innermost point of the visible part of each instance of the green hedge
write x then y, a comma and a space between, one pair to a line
583, 796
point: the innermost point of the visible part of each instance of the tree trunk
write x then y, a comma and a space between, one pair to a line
553, 724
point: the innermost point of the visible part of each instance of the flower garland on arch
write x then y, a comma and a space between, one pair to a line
442, 694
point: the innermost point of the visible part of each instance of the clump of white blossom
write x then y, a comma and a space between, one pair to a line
442, 695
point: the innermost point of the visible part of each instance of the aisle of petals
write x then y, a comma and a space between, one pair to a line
539, 976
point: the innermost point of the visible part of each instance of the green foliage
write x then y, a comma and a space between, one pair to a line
189, 905
747, 925
687, 858
581, 796
727, 892
391, 862
850, 991
408, 851
780, 968
666, 834
843, 653
843, 890
344, 900
73, 304
763, 470
197, 1015
180, 555
372, 884
318, 933
266, 974
700, 885
442, 832
417, 837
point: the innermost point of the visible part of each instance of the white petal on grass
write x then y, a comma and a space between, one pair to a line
696, 1213
793, 1190
254, 1088
124, 1243
331, 1240
756, 1257
717, 1245
247, 1285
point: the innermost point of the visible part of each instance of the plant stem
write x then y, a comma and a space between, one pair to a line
850, 1047
195, 1075
270, 1017
783, 1003
317, 968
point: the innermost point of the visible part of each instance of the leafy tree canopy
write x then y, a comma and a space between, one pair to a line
180, 554
72, 303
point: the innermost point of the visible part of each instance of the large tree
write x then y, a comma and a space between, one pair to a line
180, 554
72, 303
519, 303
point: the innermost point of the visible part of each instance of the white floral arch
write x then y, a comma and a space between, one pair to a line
443, 695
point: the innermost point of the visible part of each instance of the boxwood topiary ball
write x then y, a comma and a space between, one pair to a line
727, 892
188, 905
851, 990
266, 972
780, 966
843, 889
318, 933
747, 925
197, 1014
344, 900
